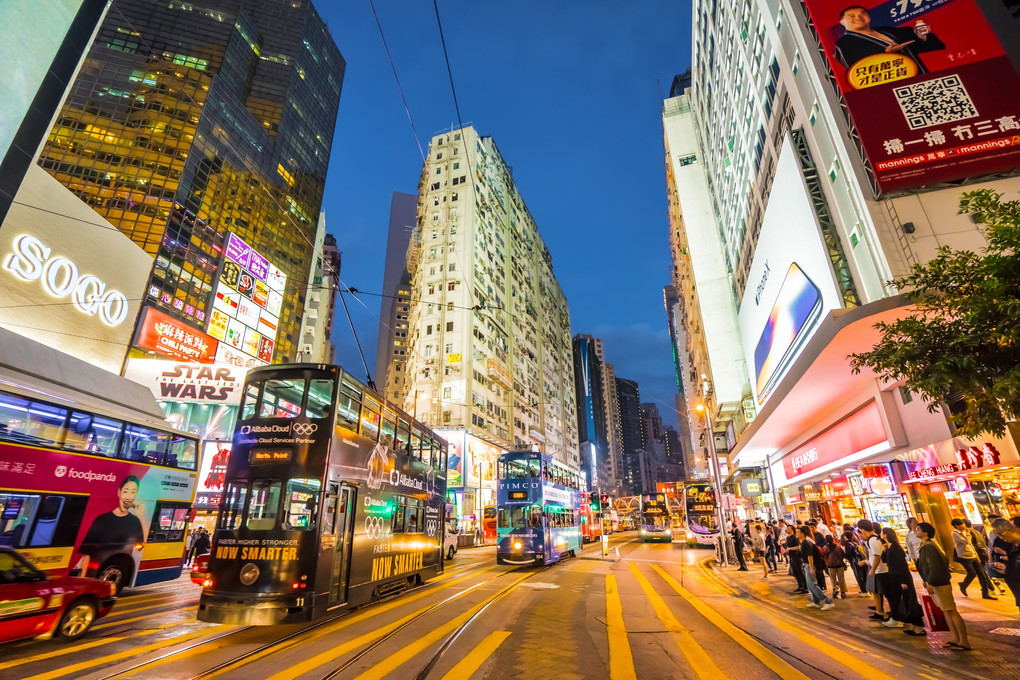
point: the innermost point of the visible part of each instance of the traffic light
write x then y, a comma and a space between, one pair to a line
593, 499
605, 501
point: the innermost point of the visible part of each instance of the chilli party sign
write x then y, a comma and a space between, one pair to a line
174, 339
929, 87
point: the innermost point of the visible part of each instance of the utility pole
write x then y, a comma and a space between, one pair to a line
717, 475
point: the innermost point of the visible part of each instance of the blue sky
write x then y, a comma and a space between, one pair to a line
571, 92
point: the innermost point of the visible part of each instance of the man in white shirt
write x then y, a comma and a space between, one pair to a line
913, 542
874, 547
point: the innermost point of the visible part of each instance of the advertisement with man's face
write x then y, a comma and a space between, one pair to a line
929, 87
455, 462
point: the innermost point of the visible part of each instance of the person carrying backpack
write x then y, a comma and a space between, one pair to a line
835, 562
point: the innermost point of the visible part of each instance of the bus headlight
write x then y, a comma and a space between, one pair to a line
517, 545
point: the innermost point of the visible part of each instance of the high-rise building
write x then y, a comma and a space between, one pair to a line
331, 273
188, 122
835, 173
317, 323
395, 303
628, 399
489, 349
614, 433
592, 432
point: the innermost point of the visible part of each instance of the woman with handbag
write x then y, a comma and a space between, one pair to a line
904, 609
967, 555
933, 566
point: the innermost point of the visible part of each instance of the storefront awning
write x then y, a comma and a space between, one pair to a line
818, 381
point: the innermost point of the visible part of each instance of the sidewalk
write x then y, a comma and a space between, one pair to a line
993, 626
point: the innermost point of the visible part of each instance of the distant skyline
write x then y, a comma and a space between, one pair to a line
572, 94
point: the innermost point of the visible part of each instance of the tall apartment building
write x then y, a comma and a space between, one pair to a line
825, 183
614, 432
489, 349
684, 447
592, 430
320, 299
395, 303
628, 398
190, 121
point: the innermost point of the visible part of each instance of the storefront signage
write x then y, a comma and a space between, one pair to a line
968, 458
189, 382
750, 487
878, 479
767, 499
795, 498
811, 495
860, 431
60, 277
836, 488
174, 339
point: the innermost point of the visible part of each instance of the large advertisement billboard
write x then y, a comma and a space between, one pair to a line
930, 89
790, 285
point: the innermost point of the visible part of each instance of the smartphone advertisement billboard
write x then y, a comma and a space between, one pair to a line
790, 286
929, 87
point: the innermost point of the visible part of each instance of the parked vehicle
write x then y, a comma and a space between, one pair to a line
450, 539
36, 605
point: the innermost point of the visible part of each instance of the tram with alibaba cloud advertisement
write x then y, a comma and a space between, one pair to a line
538, 509
332, 498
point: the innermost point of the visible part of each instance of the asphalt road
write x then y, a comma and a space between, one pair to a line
647, 611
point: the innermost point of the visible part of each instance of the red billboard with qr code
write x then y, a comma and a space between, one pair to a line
929, 87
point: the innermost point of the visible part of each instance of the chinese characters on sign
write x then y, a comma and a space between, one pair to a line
173, 338
968, 458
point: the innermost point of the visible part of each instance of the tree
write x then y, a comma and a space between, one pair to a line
961, 343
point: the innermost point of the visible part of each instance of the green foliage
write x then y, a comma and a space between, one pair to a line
962, 340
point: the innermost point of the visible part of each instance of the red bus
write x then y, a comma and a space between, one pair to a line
92, 482
489, 525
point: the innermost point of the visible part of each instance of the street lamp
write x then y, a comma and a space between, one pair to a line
702, 410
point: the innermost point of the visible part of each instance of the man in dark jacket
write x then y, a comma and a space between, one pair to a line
1004, 555
933, 566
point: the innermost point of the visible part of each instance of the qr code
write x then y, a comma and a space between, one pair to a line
935, 102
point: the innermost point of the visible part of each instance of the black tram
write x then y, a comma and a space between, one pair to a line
333, 498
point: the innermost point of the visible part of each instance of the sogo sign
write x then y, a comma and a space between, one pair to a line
59, 276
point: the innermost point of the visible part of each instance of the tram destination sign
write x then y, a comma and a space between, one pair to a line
270, 456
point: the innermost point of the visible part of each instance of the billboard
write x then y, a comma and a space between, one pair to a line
190, 383
790, 286
246, 310
929, 87
173, 339
211, 474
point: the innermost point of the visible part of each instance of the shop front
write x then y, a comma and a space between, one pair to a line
471, 478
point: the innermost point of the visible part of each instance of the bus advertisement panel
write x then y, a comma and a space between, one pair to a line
702, 514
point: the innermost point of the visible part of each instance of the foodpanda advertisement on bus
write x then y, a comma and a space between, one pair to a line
929, 87
128, 511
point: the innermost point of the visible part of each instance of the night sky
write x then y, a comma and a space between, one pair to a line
571, 92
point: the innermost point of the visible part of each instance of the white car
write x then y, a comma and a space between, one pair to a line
450, 541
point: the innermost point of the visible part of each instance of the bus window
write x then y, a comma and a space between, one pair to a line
389, 428
348, 405
234, 497
320, 398
169, 520
251, 397
282, 398
39, 520
182, 453
93, 434
403, 435
31, 420
302, 499
534, 468
143, 445
264, 503
370, 418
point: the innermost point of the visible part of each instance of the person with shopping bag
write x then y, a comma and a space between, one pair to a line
933, 566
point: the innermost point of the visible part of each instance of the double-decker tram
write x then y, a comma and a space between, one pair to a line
702, 514
93, 480
655, 520
333, 498
489, 525
591, 517
538, 508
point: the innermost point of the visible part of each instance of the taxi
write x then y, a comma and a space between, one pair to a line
33, 604
200, 570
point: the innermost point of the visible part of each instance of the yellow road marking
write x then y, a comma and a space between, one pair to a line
327, 656
111, 624
477, 656
772, 661
621, 661
58, 652
127, 610
697, 658
134, 651
402, 656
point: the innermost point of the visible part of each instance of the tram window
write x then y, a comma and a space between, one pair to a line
348, 404
413, 521
535, 517
370, 418
302, 499
234, 497
389, 428
264, 504
426, 451
403, 435
251, 397
503, 521
168, 522
94, 434
415, 451
533, 468
182, 453
143, 445
320, 398
438, 454
517, 469
282, 398
399, 515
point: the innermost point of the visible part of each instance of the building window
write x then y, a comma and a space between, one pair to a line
453, 266
449, 348
447, 393
452, 285
449, 326
428, 329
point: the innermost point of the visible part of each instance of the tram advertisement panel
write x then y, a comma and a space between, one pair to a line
119, 499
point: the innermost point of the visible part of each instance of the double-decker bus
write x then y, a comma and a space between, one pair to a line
538, 507
591, 519
702, 514
93, 480
489, 525
333, 498
655, 522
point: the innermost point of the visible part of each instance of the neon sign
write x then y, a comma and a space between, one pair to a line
61, 278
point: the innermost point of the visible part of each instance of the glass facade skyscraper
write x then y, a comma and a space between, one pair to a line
189, 121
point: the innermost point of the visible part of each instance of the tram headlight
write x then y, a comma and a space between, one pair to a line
517, 545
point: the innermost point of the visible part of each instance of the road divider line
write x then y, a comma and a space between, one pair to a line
697, 658
760, 652
58, 652
131, 610
621, 661
477, 656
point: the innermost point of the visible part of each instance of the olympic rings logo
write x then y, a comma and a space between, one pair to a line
304, 429
431, 526
374, 527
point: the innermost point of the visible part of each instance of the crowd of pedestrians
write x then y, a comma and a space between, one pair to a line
818, 556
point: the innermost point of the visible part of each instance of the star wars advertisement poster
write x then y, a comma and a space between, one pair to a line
930, 89
119, 500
